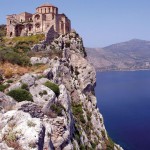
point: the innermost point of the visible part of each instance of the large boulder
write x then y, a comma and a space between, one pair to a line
39, 60
29, 79
15, 86
19, 129
63, 97
38, 47
6, 102
43, 96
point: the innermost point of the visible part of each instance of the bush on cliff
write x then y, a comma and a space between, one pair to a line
20, 95
3, 87
54, 87
2, 30
22, 47
78, 112
9, 55
33, 39
57, 108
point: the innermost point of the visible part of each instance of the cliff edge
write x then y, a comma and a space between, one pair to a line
55, 108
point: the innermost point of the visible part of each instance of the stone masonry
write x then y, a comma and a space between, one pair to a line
45, 18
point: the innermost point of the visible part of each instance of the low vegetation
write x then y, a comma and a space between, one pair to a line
25, 87
17, 50
33, 39
78, 113
20, 95
31, 124
13, 57
11, 140
2, 30
8, 70
3, 87
57, 108
54, 87
109, 144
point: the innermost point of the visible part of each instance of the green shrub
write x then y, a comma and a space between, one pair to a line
3, 87
20, 95
22, 46
93, 145
9, 81
1, 78
2, 30
43, 93
110, 144
54, 87
78, 112
24, 86
33, 39
57, 108
8, 55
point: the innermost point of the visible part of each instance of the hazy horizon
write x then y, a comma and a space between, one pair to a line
99, 23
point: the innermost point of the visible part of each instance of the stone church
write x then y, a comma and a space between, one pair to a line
45, 18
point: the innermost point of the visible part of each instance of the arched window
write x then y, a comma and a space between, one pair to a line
37, 17
37, 25
62, 27
41, 10
10, 21
49, 10
10, 34
30, 27
45, 10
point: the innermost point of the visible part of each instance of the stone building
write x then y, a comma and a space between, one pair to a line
45, 18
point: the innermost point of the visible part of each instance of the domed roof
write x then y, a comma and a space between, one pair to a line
46, 5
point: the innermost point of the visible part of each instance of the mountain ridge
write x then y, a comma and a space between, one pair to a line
130, 55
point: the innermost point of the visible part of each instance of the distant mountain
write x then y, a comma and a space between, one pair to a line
130, 55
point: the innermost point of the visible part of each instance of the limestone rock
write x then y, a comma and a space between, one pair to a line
15, 86
6, 102
29, 79
27, 132
42, 95
39, 60
38, 47
84, 72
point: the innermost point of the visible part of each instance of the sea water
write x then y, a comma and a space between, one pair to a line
124, 101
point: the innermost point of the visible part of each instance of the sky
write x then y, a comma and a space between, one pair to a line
99, 22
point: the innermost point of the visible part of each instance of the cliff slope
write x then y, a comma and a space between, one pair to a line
54, 108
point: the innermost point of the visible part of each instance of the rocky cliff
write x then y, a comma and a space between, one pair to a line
55, 108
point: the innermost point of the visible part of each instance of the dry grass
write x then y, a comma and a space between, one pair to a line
11, 140
39, 68
9, 70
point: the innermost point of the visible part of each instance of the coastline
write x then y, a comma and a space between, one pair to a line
131, 70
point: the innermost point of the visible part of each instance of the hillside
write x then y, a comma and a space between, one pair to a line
47, 98
130, 55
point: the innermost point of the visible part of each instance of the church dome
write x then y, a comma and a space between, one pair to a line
46, 5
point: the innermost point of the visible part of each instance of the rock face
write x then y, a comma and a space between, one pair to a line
63, 114
37, 60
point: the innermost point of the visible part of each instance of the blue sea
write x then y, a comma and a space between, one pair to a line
124, 101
